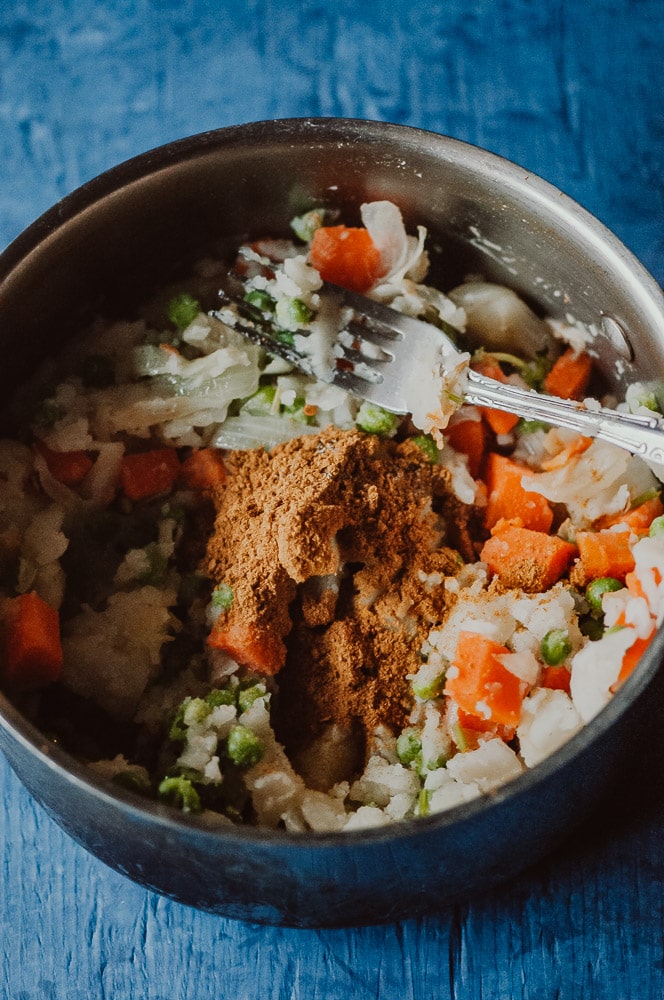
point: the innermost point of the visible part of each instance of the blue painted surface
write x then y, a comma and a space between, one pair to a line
570, 90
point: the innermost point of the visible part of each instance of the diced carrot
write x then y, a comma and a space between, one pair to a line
346, 256
487, 366
148, 473
469, 437
569, 375
68, 467
482, 686
605, 553
556, 678
630, 660
32, 641
477, 725
499, 421
508, 499
204, 469
526, 559
638, 519
248, 644
576, 447
634, 585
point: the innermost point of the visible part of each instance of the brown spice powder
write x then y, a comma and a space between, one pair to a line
327, 542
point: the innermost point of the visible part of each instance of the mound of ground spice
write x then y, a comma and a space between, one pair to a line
332, 544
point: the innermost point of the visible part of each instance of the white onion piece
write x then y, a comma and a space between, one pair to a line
246, 431
385, 225
496, 318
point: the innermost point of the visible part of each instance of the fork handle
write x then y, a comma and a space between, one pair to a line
641, 435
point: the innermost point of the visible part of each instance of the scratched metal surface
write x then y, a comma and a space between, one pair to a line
571, 91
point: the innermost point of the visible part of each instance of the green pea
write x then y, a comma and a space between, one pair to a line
183, 310
220, 696
426, 690
180, 792
531, 426
648, 399
296, 411
247, 696
375, 420
261, 403
284, 337
304, 226
597, 588
436, 763
409, 748
261, 300
243, 746
428, 446
222, 597
555, 647
178, 730
292, 313
657, 527
190, 711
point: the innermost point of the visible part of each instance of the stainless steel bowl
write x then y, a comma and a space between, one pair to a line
100, 250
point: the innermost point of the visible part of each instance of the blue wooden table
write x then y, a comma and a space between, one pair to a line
570, 90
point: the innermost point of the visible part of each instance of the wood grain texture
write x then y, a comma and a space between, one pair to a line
569, 90
589, 922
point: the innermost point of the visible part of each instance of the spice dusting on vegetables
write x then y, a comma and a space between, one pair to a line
239, 590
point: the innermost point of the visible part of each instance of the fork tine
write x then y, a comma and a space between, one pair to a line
386, 393
256, 335
374, 347
386, 339
356, 356
411, 347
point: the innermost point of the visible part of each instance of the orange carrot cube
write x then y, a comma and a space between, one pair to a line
530, 560
480, 684
508, 499
32, 641
149, 473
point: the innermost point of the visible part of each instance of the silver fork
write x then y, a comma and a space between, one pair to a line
380, 349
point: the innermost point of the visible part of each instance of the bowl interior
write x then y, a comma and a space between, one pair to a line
106, 247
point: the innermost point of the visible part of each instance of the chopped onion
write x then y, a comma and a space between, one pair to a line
247, 431
496, 318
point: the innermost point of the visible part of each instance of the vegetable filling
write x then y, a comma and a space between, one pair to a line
239, 590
